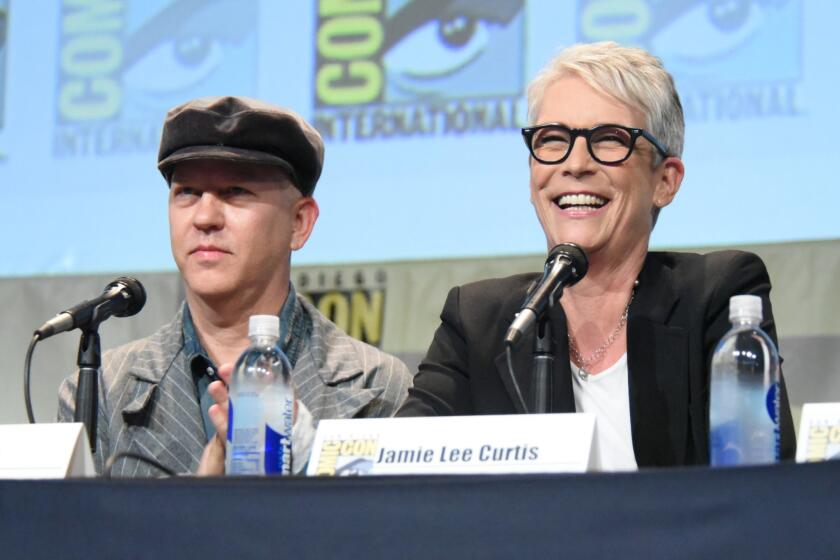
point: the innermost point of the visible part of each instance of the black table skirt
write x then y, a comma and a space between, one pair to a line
784, 511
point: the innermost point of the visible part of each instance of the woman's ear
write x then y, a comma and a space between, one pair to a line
670, 174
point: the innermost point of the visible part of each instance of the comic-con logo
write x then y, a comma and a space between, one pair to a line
123, 63
353, 300
711, 48
401, 68
347, 457
823, 441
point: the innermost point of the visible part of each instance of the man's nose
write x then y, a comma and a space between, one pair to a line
209, 212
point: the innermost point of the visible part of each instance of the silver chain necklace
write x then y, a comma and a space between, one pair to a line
596, 356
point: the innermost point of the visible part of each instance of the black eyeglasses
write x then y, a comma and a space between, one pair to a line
607, 143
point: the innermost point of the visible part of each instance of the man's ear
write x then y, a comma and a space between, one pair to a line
670, 174
305, 215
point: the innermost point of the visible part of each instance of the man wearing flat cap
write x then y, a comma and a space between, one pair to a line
241, 174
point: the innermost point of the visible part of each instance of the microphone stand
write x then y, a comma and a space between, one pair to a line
543, 379
87, 401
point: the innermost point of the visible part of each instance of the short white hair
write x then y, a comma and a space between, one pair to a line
632, 75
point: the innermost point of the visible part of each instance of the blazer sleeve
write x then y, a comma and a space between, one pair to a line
745, 274
393, 378
67, 409
441, 386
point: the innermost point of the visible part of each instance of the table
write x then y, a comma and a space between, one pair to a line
781, 511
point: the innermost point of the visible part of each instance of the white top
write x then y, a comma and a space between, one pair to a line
607, 395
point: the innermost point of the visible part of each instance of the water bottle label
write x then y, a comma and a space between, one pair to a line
246, 441
277, 452
230, 422
743, 423
772, 402
725, 450
279, 415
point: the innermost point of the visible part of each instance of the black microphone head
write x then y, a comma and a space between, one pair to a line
576, 257
135, 291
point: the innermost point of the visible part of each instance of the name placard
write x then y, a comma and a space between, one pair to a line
520, 443
44, 451
819, 433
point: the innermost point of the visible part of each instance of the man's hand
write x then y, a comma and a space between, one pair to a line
213, 458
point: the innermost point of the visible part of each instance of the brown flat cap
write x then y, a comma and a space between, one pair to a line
242, 130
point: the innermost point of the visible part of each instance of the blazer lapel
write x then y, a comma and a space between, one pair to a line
657, 358
165, 418
329, 372
160, 409
564, 396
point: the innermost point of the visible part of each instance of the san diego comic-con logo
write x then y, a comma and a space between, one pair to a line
347, 457
123, 63
416, 68
713, 48
823, 441
352, 299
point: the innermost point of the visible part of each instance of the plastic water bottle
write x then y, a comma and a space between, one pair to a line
261, 405
744, 400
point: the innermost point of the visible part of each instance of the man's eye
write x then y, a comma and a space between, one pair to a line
183, 192
238, 191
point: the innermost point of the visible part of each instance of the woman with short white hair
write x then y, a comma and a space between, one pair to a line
634, 338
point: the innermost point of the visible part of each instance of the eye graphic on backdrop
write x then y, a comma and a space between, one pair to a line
429, 43
457, 32
718, 27
438, 48
184, 44
691, 31
175, 64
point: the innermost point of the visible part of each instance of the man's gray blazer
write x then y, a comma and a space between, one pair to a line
148, 402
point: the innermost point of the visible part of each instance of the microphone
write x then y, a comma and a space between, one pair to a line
121, 298
565, 266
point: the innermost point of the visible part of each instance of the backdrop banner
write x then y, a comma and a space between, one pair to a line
396, 306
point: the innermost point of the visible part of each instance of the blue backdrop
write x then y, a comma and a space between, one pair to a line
420, 104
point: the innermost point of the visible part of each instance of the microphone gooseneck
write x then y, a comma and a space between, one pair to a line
565, 266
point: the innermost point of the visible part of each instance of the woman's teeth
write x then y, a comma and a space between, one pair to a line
585, 201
